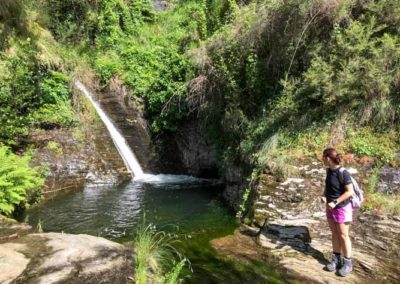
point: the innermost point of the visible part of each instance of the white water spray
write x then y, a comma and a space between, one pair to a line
126, 153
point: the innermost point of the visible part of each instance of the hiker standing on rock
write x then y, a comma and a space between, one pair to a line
339, 211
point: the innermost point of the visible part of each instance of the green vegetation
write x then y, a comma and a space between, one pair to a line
299, 87
146, 50
34, 94
270, 81
39, 227
378, 202
19, 184
31, 95
34, 89
55, 147
374, 144
156, 256
152, 62
242, 208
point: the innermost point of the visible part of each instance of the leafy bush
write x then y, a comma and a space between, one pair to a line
30, 94
352, 74
367, 142
19, 183
71, 20
56, 108
54, 115
107, 65
54, 87
153, 63
18, 85
100, 22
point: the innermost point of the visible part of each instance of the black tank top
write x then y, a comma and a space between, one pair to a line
334, 188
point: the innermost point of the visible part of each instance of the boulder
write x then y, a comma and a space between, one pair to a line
64, 258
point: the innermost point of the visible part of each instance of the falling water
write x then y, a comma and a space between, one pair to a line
124, 150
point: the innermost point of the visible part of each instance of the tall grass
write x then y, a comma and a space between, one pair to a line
156, 256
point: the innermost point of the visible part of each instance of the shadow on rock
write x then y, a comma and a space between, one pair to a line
295, 237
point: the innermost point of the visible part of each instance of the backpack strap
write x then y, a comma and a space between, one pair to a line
341, 178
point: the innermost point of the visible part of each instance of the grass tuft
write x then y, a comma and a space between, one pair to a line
155, 255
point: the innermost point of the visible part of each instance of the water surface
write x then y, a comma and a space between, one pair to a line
188, 207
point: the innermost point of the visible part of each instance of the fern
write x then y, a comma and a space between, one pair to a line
19, 183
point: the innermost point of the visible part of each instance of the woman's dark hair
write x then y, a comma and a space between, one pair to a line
333, 155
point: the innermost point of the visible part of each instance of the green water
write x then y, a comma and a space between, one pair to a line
187, 207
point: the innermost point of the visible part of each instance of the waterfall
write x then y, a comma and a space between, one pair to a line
124, 150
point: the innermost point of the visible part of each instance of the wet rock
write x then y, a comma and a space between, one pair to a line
76, 162
64, 258
233, 194
389, 180
234, 185
187, 151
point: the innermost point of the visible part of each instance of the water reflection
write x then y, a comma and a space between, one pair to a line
114, 211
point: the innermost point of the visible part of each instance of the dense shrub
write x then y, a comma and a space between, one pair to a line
332, 66
31, 94
95, 21
153, 62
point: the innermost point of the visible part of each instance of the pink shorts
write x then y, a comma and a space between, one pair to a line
340, 215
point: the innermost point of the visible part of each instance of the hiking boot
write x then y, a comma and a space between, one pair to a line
346, 268
335, 263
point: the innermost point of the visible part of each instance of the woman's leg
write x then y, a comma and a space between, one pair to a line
335, 236
344, 238
345, 244
336, 257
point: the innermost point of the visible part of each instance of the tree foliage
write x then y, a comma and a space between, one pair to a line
286, 68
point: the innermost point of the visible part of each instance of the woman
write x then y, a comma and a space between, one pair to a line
339, 211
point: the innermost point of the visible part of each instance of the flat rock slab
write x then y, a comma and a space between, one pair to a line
305, 262
12, 262
64, 258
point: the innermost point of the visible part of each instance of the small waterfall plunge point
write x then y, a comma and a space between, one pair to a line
123, 148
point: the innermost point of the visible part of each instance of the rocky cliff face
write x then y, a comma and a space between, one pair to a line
189, 151
389, 180
80, 155
74, 161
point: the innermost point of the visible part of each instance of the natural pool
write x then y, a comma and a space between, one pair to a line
181, 205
